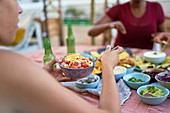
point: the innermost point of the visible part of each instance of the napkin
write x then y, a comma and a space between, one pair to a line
124, 90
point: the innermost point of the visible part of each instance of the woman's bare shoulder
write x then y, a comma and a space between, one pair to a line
9, 57
14, 61
8, 54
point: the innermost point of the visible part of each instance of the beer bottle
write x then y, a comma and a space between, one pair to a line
48, 56
70, 40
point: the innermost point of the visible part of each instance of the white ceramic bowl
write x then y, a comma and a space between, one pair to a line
154, 57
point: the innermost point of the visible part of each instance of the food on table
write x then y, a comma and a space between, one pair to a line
98, 68
121, 56
88, 80
124, 55
165, 63
75, 60
133, 79
152, 73
126, 63
95, 54
152, 91
167, 60
165, 78
163, 42
118, 71
140, 63
155, 54
163, 66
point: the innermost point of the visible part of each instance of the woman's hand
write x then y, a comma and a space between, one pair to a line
159, 37
111, 58
55, 72
118, 25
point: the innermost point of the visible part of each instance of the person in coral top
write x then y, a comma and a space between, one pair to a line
136, 21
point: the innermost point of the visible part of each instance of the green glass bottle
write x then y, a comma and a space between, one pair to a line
70, 40
48, 56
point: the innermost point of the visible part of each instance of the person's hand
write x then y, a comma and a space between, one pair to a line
111, 58
55, 72
118, 25
159, 37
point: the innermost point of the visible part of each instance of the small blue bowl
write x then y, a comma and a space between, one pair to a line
88, 85
75, 73
130, 70
153, 100
119, 72
135, 85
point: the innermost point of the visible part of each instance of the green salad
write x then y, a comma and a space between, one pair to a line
152, 91
133, 79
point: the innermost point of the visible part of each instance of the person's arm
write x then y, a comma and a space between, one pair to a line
162, 36
26, 87
105, 23
109, 99
162, 27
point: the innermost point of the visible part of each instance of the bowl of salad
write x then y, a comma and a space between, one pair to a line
77, 65
135, 80
152, 72
153, 94
91, 81
164, 79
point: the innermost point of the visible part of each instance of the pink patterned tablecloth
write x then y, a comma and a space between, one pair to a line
132, 105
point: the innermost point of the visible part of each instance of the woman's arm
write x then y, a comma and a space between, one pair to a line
162, 36
162, 27
105, 23
109, 99
26, 87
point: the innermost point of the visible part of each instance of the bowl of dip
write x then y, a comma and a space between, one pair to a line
119, 72
154, 57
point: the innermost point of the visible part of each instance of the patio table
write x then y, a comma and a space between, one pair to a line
133, 105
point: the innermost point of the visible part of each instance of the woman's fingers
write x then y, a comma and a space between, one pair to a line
49, 66
160, 37
120, 50
108, 48
118, 25
122, 28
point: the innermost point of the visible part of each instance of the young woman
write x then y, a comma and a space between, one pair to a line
27, 88
136, 21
